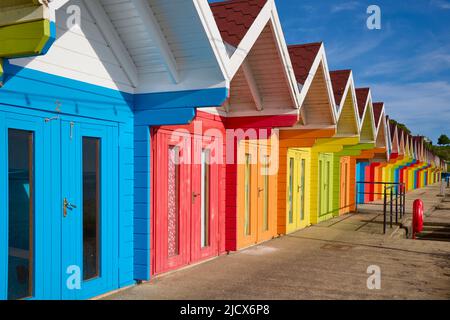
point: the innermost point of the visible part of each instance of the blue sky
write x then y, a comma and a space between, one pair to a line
406, 63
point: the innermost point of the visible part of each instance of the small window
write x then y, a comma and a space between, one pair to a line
91, 207
247, 186
320, 186
302, 190
266, 193
205, 208
173, 212
327, 184
21, 214
291, 190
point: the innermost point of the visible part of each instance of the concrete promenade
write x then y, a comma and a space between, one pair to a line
325, 261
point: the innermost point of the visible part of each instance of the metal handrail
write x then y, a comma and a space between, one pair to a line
390, 189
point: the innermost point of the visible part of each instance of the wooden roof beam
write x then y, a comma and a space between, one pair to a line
112, 38
156, 34
251, 81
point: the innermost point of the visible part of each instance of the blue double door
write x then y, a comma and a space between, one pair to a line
59, 206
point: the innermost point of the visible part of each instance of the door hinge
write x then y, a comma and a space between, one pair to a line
51, 119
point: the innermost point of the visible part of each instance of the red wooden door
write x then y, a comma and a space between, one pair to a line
205, 199
185, 199
171, 192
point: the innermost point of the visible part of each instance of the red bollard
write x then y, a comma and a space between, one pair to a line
417, 217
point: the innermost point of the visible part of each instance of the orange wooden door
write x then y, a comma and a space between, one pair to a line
247, 193
267, 195
257, 194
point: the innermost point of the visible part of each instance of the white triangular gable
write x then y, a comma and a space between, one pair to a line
317, 84
136, 46
367, 127
348, 118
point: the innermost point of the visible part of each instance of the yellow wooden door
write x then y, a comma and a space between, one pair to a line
297, 214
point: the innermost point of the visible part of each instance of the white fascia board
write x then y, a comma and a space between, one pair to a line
369, 109
320, 57
401, 143
366, 106
250, 38
355, 101
312, 72
312, 127
145, 13
395, 144
388, 135
349, 88
328, 82
109, 33
285, 57
56, 4
341, 103
383, 127
265, 112
380, 120
372, 116
215, 39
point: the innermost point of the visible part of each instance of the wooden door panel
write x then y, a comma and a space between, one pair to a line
247, 193
172, 207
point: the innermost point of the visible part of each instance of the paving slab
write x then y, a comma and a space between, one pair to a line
325, 261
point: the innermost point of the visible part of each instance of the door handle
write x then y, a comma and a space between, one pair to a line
194, 196
67, 205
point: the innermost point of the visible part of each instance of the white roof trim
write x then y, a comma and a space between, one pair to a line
320, 58
268, 14
395, 141
56, 4
381, 118
250, 38
109, 33
350, 86
369, 107
285, 57
154, 31
214, 37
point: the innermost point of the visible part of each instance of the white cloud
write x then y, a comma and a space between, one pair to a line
408, 68
346, 6
346, 52
441, 4
423, 106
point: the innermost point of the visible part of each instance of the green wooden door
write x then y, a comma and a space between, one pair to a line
325, 184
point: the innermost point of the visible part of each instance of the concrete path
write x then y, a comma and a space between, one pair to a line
326, 261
